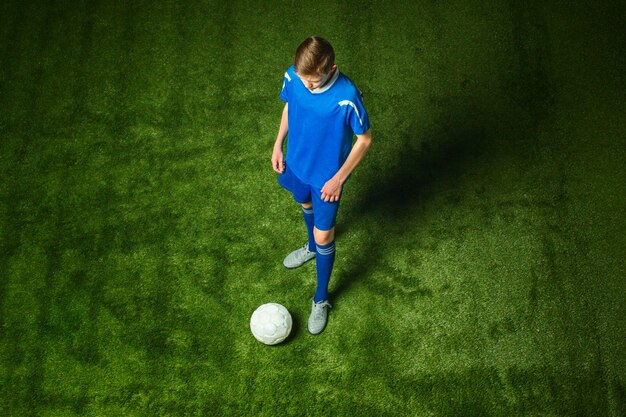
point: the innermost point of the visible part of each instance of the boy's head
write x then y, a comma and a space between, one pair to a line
314, 61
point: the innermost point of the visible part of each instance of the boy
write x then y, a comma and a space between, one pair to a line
323, 110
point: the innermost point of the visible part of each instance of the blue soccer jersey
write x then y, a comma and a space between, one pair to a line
321, 125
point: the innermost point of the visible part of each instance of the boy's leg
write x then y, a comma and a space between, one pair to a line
324, 261
307, 252
302, 194
324, 233
325, 248
309, 221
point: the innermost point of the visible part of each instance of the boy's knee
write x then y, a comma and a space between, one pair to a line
307, 205
324, 237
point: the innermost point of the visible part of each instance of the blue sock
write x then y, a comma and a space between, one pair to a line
324, 261
309, 221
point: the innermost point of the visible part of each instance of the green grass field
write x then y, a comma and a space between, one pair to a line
480, 248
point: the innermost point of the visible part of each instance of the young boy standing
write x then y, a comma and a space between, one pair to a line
323, 110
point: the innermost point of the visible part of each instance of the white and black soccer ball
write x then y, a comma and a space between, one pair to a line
271, 323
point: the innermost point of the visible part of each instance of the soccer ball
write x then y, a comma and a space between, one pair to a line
270, 323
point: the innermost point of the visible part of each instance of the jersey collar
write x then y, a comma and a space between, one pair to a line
327, 86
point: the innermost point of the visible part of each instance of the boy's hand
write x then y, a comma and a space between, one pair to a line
277, 161
331, 190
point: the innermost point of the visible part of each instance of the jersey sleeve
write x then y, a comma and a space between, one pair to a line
357, 115
284, 93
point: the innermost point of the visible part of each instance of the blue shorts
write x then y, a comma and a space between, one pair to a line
325, 212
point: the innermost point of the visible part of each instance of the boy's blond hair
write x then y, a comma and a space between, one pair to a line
314, 56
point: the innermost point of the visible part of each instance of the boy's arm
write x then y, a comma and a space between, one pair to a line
277, 154
332, 189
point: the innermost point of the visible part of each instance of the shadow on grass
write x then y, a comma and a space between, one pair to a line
426, 161
468, 129
296, 326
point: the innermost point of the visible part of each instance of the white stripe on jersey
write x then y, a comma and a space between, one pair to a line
349, 103
287, 76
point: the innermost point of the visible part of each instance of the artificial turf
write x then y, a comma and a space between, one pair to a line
480, 264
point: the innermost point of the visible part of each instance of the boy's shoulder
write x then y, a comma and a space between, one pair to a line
290, 73
348, 87
347, 81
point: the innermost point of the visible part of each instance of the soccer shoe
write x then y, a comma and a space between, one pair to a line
318, 317
298, 257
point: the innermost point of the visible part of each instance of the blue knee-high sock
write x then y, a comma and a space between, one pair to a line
324, 261
309, 221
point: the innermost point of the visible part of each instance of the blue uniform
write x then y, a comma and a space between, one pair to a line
321, 126
322, 123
